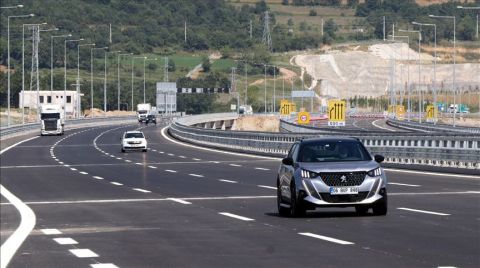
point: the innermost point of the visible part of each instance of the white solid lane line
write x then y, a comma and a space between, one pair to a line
267, 187
425, 211
259, 168
229, 181
65, 241
83, 253
235, 216
51, 231
179, 201
98, 178
326, 238
235, 165
171, 171
433, 173
27, 220
373, 123
116, 183
103, 265
196, 175
404, 184
141, 190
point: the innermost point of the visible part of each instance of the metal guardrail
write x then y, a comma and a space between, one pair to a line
433, 128
459, 151
6, 132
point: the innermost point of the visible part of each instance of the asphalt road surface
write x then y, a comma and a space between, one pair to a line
180, 206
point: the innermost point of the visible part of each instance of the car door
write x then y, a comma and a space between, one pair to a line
286, 173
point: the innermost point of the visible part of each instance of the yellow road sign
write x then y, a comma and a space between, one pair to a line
336, 112
400, 112
431, 113
287, 107
303, 118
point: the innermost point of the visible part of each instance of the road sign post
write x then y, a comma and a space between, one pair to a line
336, 112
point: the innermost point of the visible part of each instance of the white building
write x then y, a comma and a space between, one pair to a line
28, 99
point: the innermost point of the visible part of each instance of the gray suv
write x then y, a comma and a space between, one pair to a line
331, 172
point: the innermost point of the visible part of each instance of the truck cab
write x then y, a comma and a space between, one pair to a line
51, 117
143, 109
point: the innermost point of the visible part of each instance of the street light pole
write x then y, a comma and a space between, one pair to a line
455, 108
78, 104
8, 60
118, 78
91, 76
419, 71
105, 80
51, 56
408, 74
65, 75
265, 97
434, 66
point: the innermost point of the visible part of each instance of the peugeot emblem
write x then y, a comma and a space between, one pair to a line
343, 179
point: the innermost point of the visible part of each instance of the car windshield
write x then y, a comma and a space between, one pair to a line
50, 116
133, 135
333, 151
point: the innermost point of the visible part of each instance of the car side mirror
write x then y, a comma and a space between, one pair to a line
287, 161
379, 158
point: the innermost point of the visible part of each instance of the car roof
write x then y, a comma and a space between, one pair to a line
328, 139
133, 131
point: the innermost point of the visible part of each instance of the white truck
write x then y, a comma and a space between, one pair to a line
142, 111
51, 116
245, 109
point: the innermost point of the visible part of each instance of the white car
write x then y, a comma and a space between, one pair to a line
134, 140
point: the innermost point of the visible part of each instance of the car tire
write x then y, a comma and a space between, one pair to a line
362, 210
380, 207
123, 150
282, 211
296, 208
144, 150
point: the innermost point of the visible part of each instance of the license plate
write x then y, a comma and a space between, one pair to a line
343, 190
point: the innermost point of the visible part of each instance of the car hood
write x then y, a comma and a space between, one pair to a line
339, 166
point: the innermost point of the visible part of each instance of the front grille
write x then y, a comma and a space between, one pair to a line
50, 124
348, 198
335, 179
134, 142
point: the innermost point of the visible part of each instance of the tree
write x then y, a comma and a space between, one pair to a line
206, 65
330, 28
312, 13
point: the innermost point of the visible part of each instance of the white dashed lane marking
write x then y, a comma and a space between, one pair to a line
196, 175
171, 171
73, 169
326, 238
235, 165
116, 183
180, 201
83, 253
229, 181
424, 211
259, 168
141, 190
196, 159
103, 265
152, 167
235, 216
97, 177
403, 184
267, 187
51, 231
65, 241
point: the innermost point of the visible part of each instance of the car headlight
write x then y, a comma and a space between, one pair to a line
375, 172
308, 174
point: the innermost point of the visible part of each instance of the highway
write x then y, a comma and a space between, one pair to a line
182, 206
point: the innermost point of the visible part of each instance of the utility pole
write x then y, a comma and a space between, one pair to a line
185, 32
252, 28
266, 37
384, 29
165, 70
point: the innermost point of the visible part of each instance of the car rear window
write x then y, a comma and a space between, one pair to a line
133, 135
333, 151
